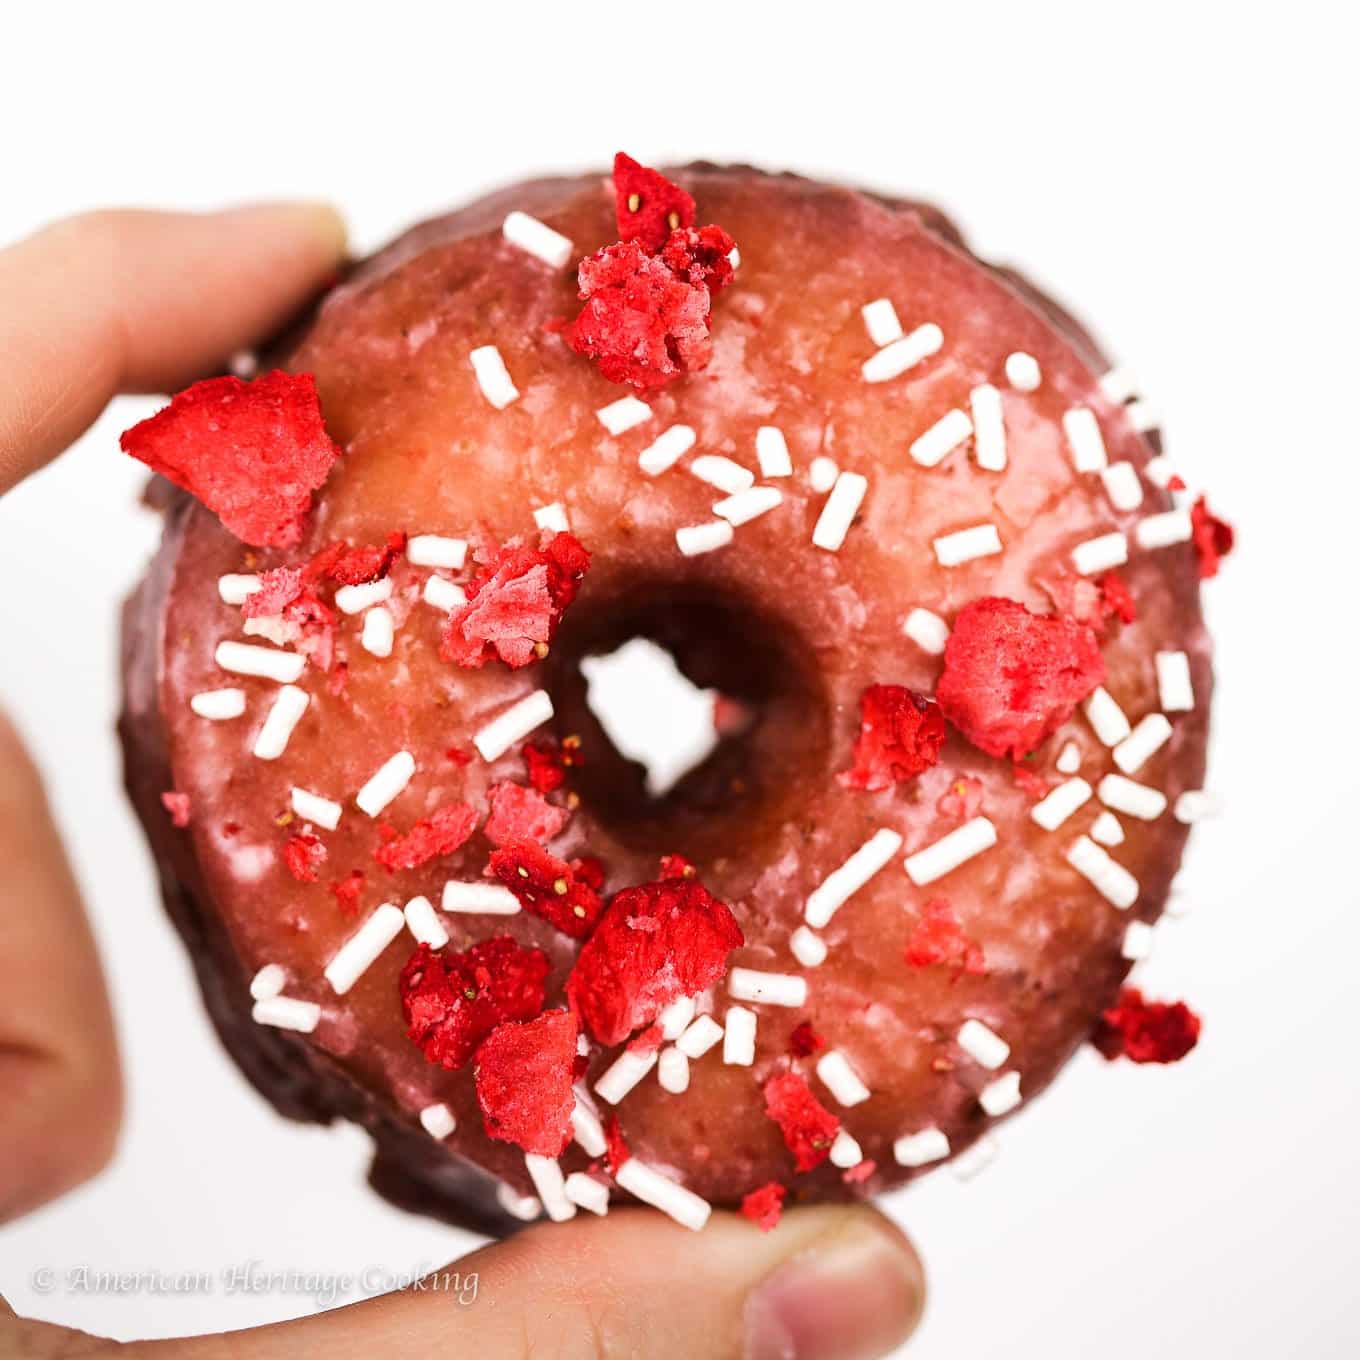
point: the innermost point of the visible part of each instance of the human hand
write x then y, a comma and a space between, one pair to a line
147, 302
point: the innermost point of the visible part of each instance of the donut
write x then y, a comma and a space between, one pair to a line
888, 503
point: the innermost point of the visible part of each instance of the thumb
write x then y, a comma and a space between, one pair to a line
829, 1283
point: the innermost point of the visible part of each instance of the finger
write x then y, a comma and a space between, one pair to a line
142, 302
59, 1083
830, 1283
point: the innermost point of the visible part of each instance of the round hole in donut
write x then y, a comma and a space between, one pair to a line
773, 726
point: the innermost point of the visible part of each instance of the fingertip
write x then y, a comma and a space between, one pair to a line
316, 223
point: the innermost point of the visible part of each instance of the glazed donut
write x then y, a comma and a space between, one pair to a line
885, 498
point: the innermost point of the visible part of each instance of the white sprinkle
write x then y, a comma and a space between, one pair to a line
739, 1037
236, 588
1122, 486
434, 550
538, 238
807, 947
1137, 800
423, 924
666, 449
481, 899
1118, 385
241, 658
218, 705
942, 438
974, 1160
921, 1148
672, 1071
1051, 811
734, 258
774, 989
829, 895
747, 505
1084, 439
651, 1187
1022, 371
588, 1193
845, 1151
311, 807
841, 1079
700, 1036
1100, 554
822, 473
378, 632
1069, 759
947, 853
268, 982
1105, 716
1173, 682
546, 1175
622, 415
493, 377
674, 1019
1142, 743
696, 539
982, 540
1159, 471
526, 1208
986, 1048
880, 320
1137, 941
443, 594
727, 476
278, 726
355, 599
624, 1073
895, 359
587, 1129
989, 428
772, 452
553, 518
1161, 531
389, 781
286, 1012
521, 718
1106, 830
1111, 880
361, 950
1143, 416
928, 631
1197, 804
1000, 1096
839, 512
438, 1120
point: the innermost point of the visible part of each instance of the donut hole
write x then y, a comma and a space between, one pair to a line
733, 747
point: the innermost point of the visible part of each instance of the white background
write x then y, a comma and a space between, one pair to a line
1185, 180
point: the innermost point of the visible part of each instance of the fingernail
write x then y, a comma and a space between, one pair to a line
854, 1294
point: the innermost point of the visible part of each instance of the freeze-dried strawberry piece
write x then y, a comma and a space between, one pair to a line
655, 943
1146, 1031
962, 799
304, 854
1012, 677
1033, 786
549, 887
900, 735
809, 1128
647, 205
616, 1150
515, 603
648, 1041
939, 938
441, 833
764, 1205
700, 255
178, 806
523, 1072
346, 890
520, 814
1213, 538
805, 1041
317, 622
278, 588
676, 866
452, 1001
253, 453
1092, 602
349, 566
1117, 598
547, 762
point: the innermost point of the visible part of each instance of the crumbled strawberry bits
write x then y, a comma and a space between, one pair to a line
253, 453
441, 833
1146, 1031
178, 806
647, 205
1213, 538
900, 735
523, 1073
809, 1128
519, 813
304, 854
764, 1206
939, 939
564, 894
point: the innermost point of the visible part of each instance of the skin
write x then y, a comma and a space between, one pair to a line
137, 302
